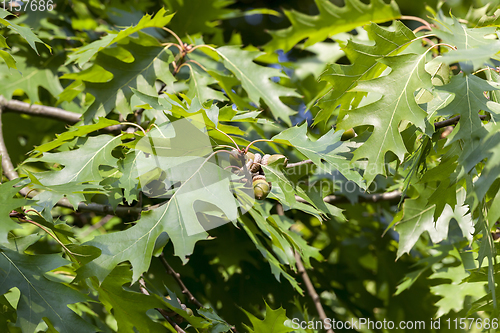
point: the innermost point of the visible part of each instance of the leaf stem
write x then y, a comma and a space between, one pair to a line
255, 141
136, 125
175, 36
418, 19
51, 235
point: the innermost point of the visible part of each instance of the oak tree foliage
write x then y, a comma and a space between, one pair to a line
125, 197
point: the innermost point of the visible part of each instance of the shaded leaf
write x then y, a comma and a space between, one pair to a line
418, 218
468, 99
24, 32
7, 204
150, 62
40, 297
128, 307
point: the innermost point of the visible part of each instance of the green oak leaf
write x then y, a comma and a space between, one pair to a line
324, 152
73, 132
48, 196
199, 87
468, 98
41, 297
192, 185
418, 218
454, 293
128, 307
147, 62
195, 17
256, 80
397, 104
273, 322
24, 32
276, 176
255, 235
484, 16
330, 21
8, 58
218, 324
228, 83
486, 148
306, 251
30, 77
83, 54
136, 243
364, 66
473, 49
8, 204
82, 164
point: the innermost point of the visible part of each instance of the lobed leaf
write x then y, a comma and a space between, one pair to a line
330, 21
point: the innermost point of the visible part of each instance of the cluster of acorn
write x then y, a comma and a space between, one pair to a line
252, 163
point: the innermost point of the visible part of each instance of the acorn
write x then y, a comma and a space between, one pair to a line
348, 134
261, 187
253, 161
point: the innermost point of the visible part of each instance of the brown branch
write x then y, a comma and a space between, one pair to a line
418, 19
307, 281
181, 284
70, 117
142, 287
7, 166
376, 197
452, 121
10, 172
47, 112
39, 110
291, 165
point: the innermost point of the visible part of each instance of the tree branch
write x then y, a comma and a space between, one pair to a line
10, 172
376, 197
452, 121
7, 166
47, 112
307, 281
39, 110
181, 284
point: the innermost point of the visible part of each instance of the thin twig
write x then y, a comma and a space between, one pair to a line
307, 281
142, 287
452, 121
418, 19
376, 197
181, 284
291, 165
